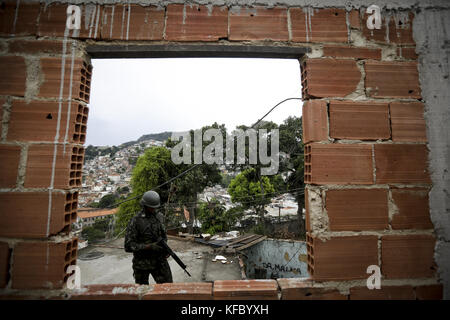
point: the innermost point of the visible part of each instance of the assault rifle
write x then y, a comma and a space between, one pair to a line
161, 242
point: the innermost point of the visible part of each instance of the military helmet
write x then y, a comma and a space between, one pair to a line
150, 199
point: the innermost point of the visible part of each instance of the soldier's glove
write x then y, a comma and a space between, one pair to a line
154, 248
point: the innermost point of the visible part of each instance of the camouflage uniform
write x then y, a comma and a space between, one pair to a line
142, 230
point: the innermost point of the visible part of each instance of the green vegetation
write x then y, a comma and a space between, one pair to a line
187, 187
97, 231
226, 179
155, 167
107, 200
249, 188
215, 218
92, 151
152, 168
293, 164
91, 234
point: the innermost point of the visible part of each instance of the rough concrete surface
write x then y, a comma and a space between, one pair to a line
115, 267
432, 36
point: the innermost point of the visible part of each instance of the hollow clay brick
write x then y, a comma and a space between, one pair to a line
413, 211
351, 52
196, 23
407, 53
180, 291
27, 214
38, 46
320, 25
338, 164
13, 76
357, 209
42, 265
106, 292
315, 121
68, 166
245, 289
131, 22
76, 84
258, 24
297, 289
38, 120
407, 256
9, 159
342, 258
326, 77
53, 17
389, 79
18, 21
401, 163
385, 293
359, 120
408, 122
399, 29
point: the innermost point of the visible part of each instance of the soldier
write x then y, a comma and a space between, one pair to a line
142, 233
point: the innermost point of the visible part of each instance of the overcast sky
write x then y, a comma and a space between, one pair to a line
132, 97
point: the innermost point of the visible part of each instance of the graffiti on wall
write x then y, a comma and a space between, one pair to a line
280, 268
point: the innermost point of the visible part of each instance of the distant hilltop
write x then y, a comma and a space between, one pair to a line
93, 151
162, 136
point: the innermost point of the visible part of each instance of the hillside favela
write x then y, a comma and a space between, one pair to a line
107, 170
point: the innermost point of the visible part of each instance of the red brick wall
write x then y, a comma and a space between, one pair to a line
43, 130
365, 144
366, 161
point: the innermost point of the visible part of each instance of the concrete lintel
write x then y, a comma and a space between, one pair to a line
100, 51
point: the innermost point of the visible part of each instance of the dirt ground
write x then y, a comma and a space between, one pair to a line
115, 267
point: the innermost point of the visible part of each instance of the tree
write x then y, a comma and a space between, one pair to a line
93, 205
195, 181
267, 125
215, 218
274, 179
152, 169
107, 200
293, 164
249, 188
123, 190
102, 224
90, 233
132, 160
90, 152
155, 167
